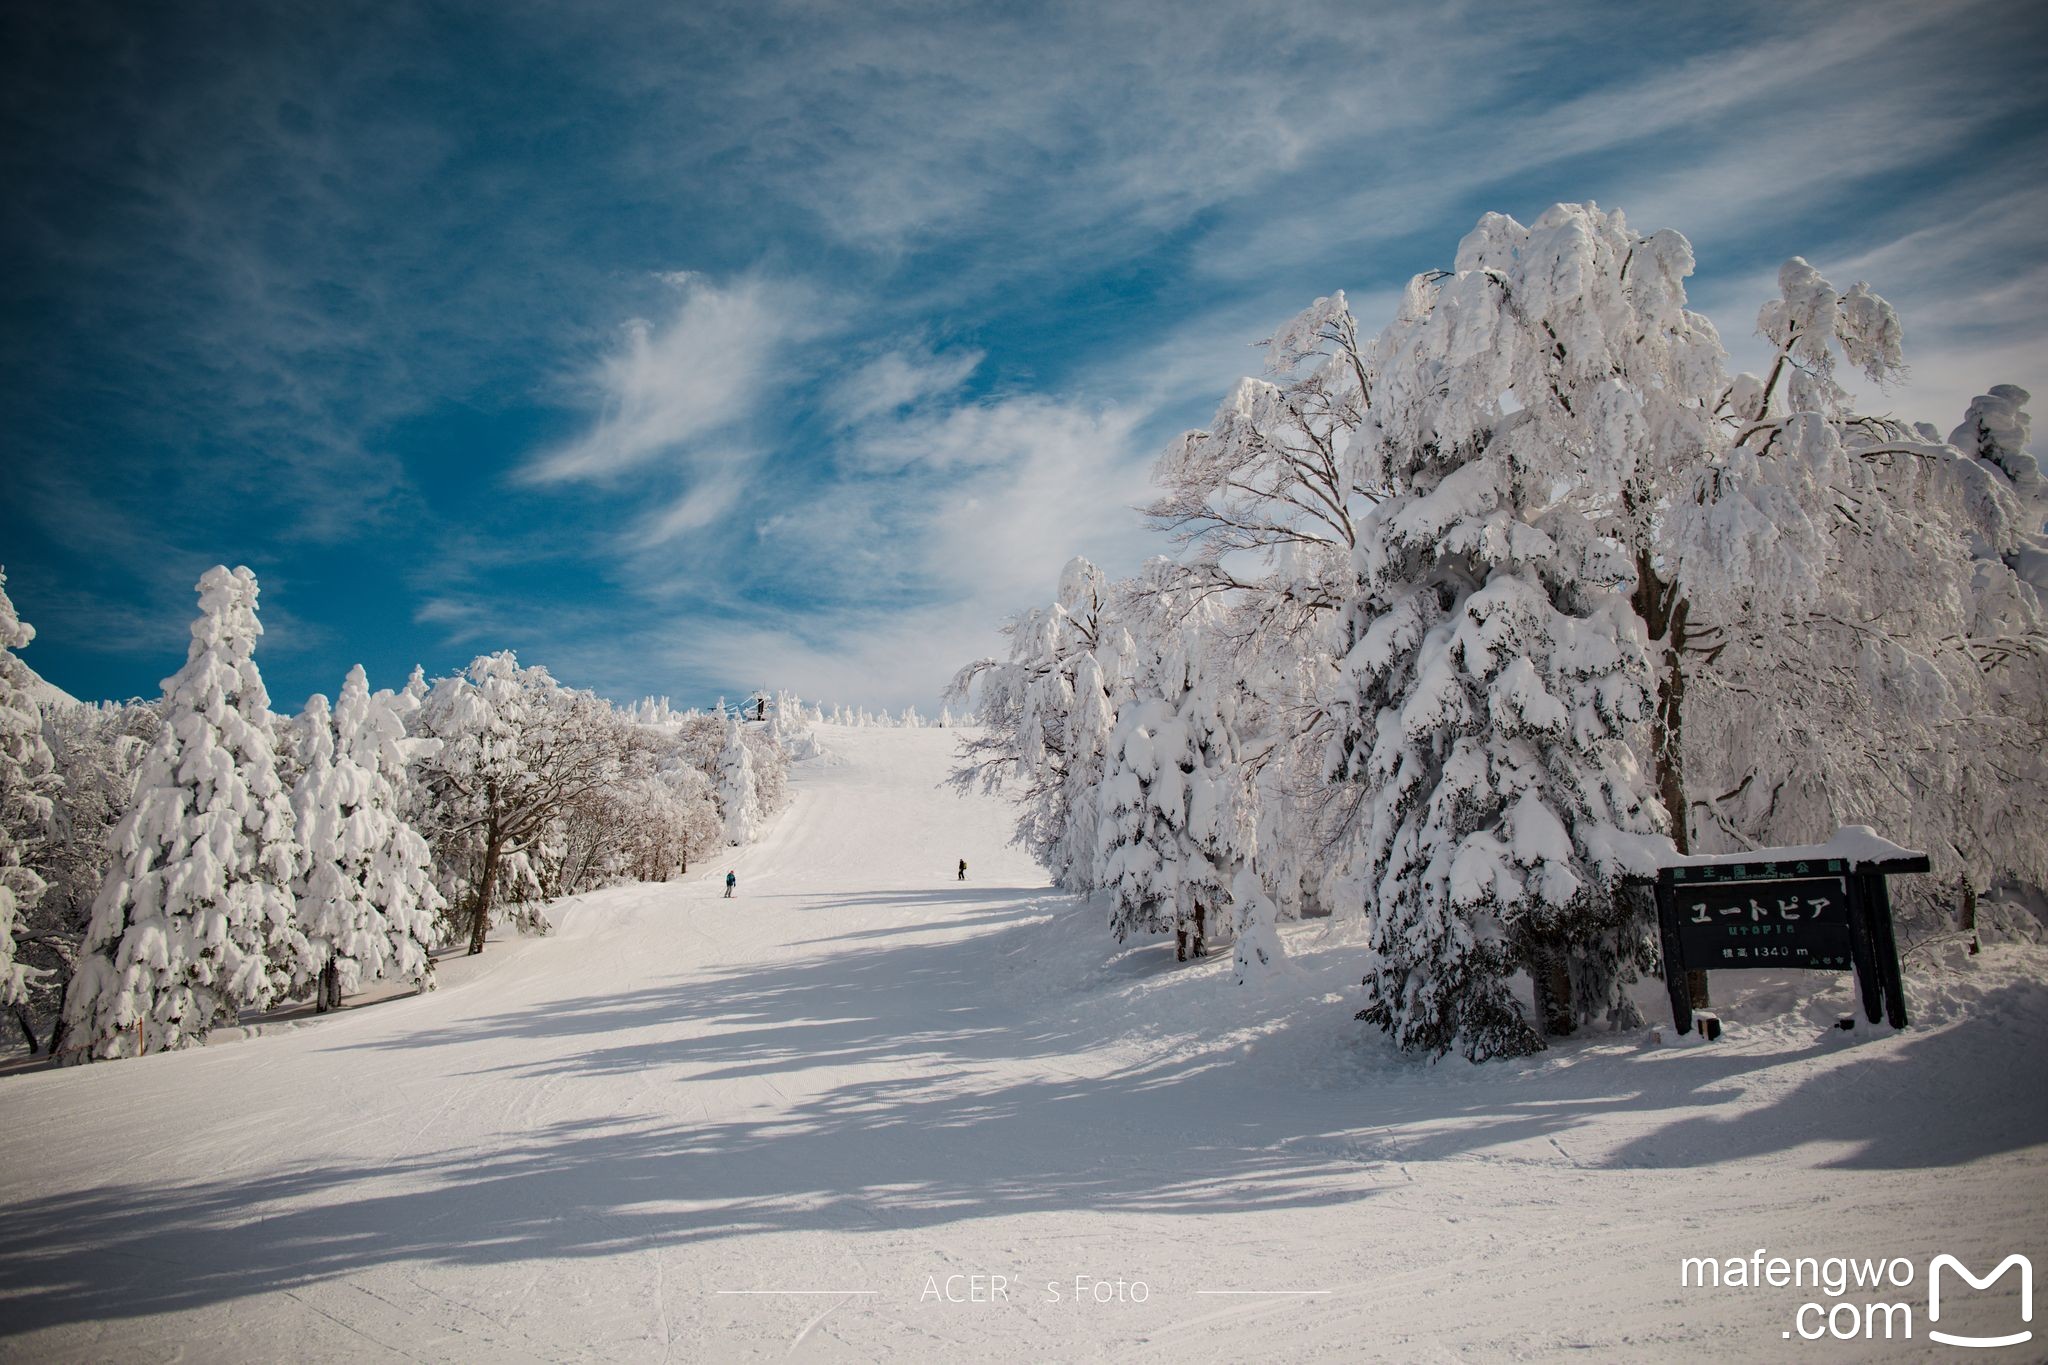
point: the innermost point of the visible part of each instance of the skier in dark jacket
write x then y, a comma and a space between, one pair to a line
731, 880
963, 869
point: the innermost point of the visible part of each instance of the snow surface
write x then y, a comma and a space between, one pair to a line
862, 1072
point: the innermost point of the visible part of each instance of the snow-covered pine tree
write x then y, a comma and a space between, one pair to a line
196, 918
1995, 429
326, 901
28, 781
395, 865
1790, 557
1172, 833
738, 797
1500, 679
367, 900
1506, 806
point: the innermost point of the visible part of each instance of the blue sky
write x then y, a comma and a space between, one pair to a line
688, 348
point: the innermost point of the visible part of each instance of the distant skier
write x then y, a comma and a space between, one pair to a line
730, 882
963, 869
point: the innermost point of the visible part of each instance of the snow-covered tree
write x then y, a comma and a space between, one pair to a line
1527, 578
1500, 678
647, 828
366, 895
195, 921
1883, 674
1172, 831
413, 695
28, 780
1044, 717
789, 727
99, 751
1995, 429
738, 796
326, 898
1506, 806
516, 749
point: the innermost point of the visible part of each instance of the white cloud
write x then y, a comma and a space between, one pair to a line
891, 659
714, 496
894, 128
670, 385
988, 502
888, 523
1752, 134
898, 380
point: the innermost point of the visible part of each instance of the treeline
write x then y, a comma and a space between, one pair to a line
1470, 622
166, 865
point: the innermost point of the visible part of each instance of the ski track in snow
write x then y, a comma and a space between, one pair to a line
861, 1072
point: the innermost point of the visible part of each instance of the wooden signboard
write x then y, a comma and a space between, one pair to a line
1815, 912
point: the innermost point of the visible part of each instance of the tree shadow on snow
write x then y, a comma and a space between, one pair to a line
985, 1122
964, 893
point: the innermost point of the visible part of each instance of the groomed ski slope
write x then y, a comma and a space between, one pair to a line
862, 1073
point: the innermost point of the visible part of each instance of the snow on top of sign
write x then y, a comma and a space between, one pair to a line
1852, 843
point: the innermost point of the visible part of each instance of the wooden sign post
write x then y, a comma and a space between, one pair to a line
1822, 908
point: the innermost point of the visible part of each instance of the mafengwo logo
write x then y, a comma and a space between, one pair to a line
2017, 1262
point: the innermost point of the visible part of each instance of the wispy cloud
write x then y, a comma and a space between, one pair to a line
367, 304
700, 372
897, 380
713, 497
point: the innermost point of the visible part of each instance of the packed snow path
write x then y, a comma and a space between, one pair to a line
862, 1077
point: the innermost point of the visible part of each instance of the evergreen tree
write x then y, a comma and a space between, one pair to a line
367, 901
1501, 691
195, 921
1171, 831
328, 905
738, 797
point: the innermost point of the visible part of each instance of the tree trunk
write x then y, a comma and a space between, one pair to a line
1551, 977
327, 995
28, 1025
1201, 931
57, 1028
1663, 613
1969, 910
480, 916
